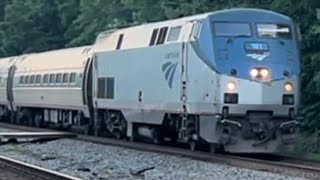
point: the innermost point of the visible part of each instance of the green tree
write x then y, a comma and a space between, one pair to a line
97, 16
68, 13
30, 26
145, 10
3, 4
304, 13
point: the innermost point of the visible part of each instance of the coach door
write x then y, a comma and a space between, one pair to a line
87, 86
10, 86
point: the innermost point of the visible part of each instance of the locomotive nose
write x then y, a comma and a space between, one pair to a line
249, 92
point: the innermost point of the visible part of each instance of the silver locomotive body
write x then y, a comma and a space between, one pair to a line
228, 79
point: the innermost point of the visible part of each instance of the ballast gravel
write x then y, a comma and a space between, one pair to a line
100, 162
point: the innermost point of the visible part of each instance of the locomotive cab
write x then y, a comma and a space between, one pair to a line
256, 56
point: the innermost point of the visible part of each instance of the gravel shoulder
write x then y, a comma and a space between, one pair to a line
98, 162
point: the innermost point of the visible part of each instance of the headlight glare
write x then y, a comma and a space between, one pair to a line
231, 86
264, 73
254, 72
288, 87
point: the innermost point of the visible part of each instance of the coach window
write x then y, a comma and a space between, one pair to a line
38, 79
21, 80
27, 80
45, 79
72, 77
65, 78
0, 80
59, 78
174, 34
52, 78
32, 79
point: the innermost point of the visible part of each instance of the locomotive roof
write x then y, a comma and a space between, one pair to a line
68, 58
223, 12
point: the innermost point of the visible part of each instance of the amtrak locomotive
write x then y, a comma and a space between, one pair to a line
229, 79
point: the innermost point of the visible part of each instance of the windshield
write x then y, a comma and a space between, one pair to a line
274, 31
232, 29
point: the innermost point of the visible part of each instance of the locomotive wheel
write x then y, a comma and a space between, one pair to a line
12, 117
174, 136
156, 136
117, 134
116, 125
86, 131
18, 120
29, 121
38, 120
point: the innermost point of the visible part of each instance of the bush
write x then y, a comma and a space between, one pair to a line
308, 143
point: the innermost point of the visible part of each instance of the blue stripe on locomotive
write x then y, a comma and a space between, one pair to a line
225, 53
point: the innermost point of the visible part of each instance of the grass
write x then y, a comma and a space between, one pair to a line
308, 147
312, 156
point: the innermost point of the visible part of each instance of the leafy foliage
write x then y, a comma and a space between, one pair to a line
30, 26
96, 16
308, 143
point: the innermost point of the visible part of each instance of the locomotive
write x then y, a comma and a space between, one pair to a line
228, 79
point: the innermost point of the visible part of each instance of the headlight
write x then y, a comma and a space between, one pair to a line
254, 72
261, 73
264, 73
288, 87
231, 86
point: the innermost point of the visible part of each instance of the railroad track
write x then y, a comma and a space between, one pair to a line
292, 167
27, 171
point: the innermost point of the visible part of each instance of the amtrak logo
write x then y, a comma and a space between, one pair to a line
259, 57
257, 51
169, 69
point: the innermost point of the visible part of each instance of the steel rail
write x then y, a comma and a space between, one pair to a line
310, 171
34, 171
